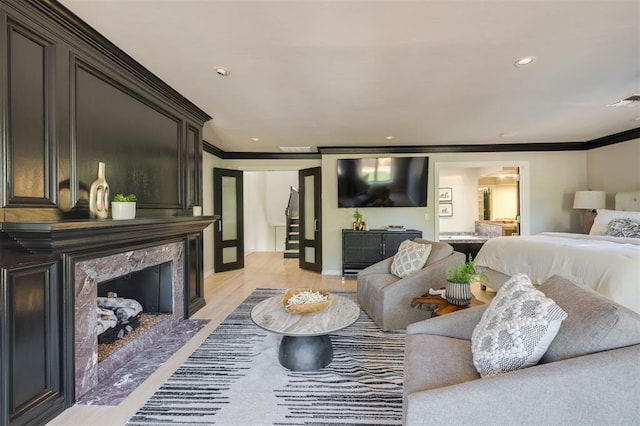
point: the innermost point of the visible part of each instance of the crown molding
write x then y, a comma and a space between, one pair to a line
426, 149
212, 149
615, 138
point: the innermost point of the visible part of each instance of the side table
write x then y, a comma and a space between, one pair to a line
439, 305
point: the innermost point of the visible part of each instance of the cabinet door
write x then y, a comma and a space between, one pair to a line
194, 288
32, 350
392, 240
361, 247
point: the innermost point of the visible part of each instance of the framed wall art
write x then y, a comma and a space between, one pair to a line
445, 194
445, 209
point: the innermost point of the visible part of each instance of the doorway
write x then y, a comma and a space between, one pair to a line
484, 198
263, 221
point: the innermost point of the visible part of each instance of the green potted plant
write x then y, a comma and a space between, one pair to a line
123, 206
459, 278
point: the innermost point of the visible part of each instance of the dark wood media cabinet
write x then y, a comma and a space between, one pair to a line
364, 248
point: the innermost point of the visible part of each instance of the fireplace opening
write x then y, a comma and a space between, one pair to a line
130, 305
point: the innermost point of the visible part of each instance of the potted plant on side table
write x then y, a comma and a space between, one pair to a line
459, 278
123, 207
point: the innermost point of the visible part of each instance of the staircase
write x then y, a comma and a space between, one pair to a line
292, 244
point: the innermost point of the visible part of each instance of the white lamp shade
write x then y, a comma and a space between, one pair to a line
590, 200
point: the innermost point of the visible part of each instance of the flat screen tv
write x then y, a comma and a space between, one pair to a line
383, 182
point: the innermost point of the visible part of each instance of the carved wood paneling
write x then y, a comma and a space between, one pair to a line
30, 117
32, 352
138, 141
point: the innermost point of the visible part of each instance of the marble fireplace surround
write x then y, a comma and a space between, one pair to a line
88, 274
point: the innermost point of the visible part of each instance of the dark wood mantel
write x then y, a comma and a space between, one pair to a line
69, 236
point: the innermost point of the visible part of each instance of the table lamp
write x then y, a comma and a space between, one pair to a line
589, 201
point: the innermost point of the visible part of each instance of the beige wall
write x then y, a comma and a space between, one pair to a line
614, 168
464, 185
549, 180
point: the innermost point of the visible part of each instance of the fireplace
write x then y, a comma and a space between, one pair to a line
88, 252
112, 271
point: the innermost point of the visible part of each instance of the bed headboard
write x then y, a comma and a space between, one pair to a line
628, 201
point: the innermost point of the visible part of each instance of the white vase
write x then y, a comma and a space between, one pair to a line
458, 293
121, 210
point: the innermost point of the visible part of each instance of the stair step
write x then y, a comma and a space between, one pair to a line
294, 233
291, 254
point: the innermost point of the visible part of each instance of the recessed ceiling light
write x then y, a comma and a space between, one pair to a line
525, 61
222, 71
636, 119
255, 139
389, 137
507, 135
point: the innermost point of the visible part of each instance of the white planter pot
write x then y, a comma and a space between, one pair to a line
123, 210
458, 293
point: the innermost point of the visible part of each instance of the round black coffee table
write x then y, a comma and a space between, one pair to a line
306, 344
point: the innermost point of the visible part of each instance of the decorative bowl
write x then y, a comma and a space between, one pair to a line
305, 308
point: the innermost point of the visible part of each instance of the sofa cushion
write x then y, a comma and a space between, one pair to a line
432, 362
594, 323
516, 329
439, 250
411, 256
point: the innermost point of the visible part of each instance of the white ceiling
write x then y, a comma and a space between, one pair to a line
350, 72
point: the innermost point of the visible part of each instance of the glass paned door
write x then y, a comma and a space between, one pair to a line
228, 251
310, 219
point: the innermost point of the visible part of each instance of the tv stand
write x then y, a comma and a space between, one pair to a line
364, 248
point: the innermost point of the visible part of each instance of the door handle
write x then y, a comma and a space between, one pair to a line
219, 225
315, 225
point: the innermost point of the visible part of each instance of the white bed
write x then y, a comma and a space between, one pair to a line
609, 265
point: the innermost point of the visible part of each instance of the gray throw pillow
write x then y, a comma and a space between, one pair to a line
516, 329
409, 258
623, 228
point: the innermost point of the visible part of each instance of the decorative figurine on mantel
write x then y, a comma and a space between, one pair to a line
99, 195
358, 224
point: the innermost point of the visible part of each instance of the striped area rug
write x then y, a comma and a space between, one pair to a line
234, 378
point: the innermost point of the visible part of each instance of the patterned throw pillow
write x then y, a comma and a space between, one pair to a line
516, 329
605, 216
623, 228
409, 258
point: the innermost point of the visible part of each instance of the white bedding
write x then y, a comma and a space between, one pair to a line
609, 265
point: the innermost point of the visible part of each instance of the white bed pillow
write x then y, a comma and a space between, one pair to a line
516, 329
605, 216
409, 258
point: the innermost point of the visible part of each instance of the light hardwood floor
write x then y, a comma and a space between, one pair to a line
224, 291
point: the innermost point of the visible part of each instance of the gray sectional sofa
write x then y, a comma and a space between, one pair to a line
590, 374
